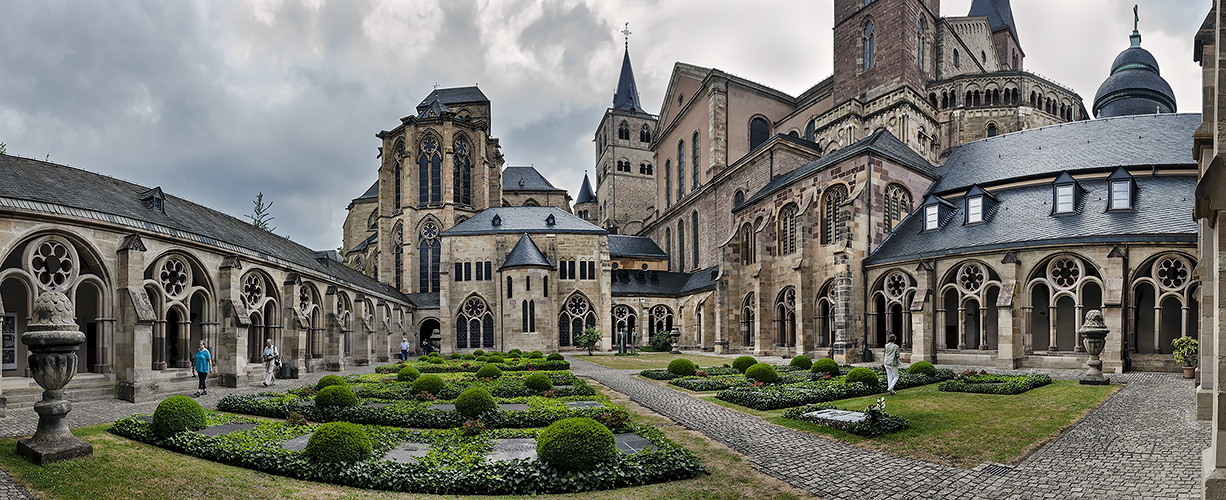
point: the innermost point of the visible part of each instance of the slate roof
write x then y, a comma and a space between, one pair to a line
425, 300
1135, 87
1138, 140
366, 243
881, 143
585, 192
626, 282
525, 179
115, 201
627, 96
530, 220
457, 95
998, 12
373, 192
525, 254
1163, 212
621, 245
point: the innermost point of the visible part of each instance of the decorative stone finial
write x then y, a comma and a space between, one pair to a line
1094, 320
53, 338
52, 311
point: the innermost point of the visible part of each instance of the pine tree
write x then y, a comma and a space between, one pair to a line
260, 215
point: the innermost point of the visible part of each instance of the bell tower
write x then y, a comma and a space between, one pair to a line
881, 44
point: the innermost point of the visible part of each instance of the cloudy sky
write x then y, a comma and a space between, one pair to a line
216, 101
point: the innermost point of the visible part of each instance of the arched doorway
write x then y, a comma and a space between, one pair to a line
425, 333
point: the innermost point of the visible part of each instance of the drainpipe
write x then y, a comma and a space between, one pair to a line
868, 355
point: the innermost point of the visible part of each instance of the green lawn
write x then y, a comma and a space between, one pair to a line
963, 429
647, 360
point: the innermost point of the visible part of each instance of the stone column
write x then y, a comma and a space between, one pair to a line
293, 332
159, 345
983, 328
846, 345
334, 351
233, 323
1051, 327
961, 327
1157, 327
134, 333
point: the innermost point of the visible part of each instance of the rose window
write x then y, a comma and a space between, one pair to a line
461, 148
53, 264
789, 299
576, 305
895, 285
621, 312
429, 145
1172, 273
429, 231
970, 277
1065, 273
660, 312
174, 277
474, 307
253, 290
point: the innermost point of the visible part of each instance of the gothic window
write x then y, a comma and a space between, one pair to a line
645, 133
510, 288
694, 146
1172, 273
623, 165
759, 132
623, 131
668, 246
921, 32
397, 171
429, 169
668, 183
681, 245
747, 244
661, 319
809, 130
992, 130
645, 168
832, 226
680, 169
785, 317
694, 225
738, 198
956, 58
1014, 59
398, 251
870, 46
983, 56
787, 230
461, 173
747, 320
429, 256
175, 277
576, 315
897, 205
372, 220
253, 290
971, 277
474, 325
1064, 272
896, 285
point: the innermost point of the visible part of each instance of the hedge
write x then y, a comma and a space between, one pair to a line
508, 386
454, 366
773, 397
995, 384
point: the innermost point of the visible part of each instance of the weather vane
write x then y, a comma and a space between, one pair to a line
626, 32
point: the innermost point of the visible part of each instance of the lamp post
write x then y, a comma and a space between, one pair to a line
1094, 337
53, 340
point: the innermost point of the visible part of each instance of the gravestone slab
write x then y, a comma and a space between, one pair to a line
218, 430
145, 418
563, 386
512, 407
576, 405
297, 444
376, 405
512, 449
443, 407
306, 402
853, 417
407, 453
629, 442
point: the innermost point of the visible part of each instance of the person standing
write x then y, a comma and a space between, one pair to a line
203, 358
891, 363
404, 348
272, 359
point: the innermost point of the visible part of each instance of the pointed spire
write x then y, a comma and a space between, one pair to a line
627, 96
998, 12
525, 254
585, 192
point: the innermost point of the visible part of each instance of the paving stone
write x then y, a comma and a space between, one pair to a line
218, 430
512, 449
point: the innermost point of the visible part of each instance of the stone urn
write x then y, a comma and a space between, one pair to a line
53, 339
1094, 338
674, 337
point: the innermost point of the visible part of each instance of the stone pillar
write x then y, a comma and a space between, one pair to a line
134, 333
1157, 327
1051, 327
106, 337
983, 328
722, 314
159, 344
961, 327
293, 332
233, 323
334, 351
846, 345
922, 340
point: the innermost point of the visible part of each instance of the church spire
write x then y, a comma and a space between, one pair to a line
585, 192
627, 96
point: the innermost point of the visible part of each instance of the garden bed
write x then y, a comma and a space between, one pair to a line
509, 385
984, 383
875, 421
776, 396
462, 365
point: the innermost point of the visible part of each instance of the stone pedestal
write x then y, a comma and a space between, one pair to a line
53, 340
1094, 338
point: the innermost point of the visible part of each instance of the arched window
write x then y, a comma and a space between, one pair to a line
785, 317
623, 131
921, 32
429, 254
668, 246
870, 46
738, 198
398, 171
461, 173
832, 225
955, 58
661, 319
474, 325
398, 251
510, 288
680, 169
668, 183
991, 130
747, 320
983, 56
681, 245
577, 314
645, 168
694, 146
759, 132
429, 168
747, 244
694, 225
1014, 60
645, 133
788, 225
809, 130
897, 205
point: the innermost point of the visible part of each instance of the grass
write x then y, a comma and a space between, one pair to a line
648, 360
122, 468
962, 429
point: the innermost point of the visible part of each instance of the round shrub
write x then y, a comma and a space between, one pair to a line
762, 372
328, 380
339, 442
336, 395
177, 414
407, 374
538, 382
743, 363
489, 371
802, 362
922, 368
495, 359
478, 352
436, 360
474, 401
576, 444
468, 357
515, 353
554, 357
862, 375
432, 384
827, 366
682, 367
483, 359
536, 355
423, 357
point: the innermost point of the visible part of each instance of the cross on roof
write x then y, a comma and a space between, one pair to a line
435, 85
626, 32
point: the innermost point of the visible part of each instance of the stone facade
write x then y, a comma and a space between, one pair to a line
626, 171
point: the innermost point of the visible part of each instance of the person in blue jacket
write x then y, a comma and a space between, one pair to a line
202, 366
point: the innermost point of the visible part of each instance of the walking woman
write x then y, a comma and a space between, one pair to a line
203, 357
891, 362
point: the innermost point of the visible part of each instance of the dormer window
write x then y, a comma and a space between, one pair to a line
1122, 186
932, 217
974, 210
1064, 195
936, 212
979, 205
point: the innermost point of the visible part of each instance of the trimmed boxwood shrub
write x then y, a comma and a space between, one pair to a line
995, 384
482, 358
336, 395
657, 374
554, 357
328, 380
743, 363
825, 366
536, 355
862, 375
576, 444
802, 362
923, 368
762, 372
474, 401
478, 352
489, 371
177, 414
407, 374
515, 353
538, 382
495, 359
423, 357
435, 360
432, 384
339, 442
682, 367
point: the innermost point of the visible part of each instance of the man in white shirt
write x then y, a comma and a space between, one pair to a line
272, 359
404, 348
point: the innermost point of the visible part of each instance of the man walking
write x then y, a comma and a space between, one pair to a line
891, 363
272, 359
404, 348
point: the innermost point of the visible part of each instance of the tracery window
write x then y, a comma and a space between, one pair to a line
788, 226
429, 254
661, 319
748, 307
461, 173
785, 317
175, 277
832, 226
747, 244
398, 251
870, 46
919, 44
429, 170
474, 325
576, 315
971, 277
645, 133
897, 205
398, 171
623, 131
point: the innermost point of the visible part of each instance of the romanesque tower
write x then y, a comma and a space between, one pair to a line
882, 44
625, 165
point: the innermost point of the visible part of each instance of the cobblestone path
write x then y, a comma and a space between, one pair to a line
1140, 444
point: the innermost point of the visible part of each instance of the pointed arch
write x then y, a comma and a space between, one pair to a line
577, 314
429, 169
461, 170
429, 254
833, 227
474, 323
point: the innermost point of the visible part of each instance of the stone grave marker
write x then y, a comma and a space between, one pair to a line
376, 405
218, 430
407, 453
576, 405
297, 444
512, 449
629, 442
853, 417
443, 406
512, 407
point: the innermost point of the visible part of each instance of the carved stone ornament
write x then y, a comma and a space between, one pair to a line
1094, 338
53, 339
